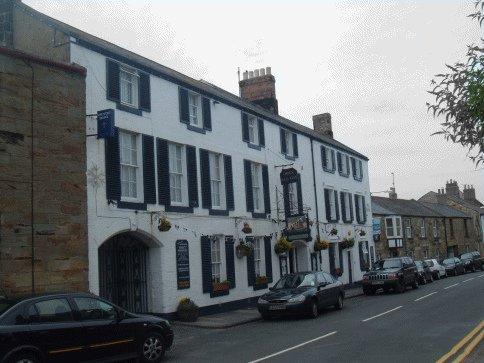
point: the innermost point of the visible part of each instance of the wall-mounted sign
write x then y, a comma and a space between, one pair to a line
289, 176
297, 227
105, 124
182, 264
376, 229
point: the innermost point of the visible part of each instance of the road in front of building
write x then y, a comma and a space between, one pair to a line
419, 325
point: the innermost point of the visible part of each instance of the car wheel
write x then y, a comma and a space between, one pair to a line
368, 291
431, 278
152, 348
24, 358
400, 287
437, 276
313, 313
414, 284
339, 303
473, 268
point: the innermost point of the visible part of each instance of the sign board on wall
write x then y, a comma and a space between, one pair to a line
105, 124
376, 229
297, 227
182, 264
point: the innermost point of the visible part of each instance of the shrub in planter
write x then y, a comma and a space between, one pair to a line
348, 242
283, 245
261, 280
333, 232
243, 248
247, 228
187, 310
164, 224
320, 245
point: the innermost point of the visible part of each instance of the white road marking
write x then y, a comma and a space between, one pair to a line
295, 347
481, 275
448, 287
468, 279
423, 297
386, 312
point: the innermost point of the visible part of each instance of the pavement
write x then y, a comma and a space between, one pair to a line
242, 316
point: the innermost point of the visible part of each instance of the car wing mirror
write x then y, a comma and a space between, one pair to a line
121, 315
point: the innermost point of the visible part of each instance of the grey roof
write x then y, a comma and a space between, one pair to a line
402, 207
110, 50
445, 210
433, 197
466, 204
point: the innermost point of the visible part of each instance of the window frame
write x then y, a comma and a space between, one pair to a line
134, 89
423, 229
220, 181
194, 109
253, 127
217, 262
128, 165
259, 257
396, 227
408, 228
257, 189
182, 175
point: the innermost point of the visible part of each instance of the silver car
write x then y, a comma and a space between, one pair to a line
437, 269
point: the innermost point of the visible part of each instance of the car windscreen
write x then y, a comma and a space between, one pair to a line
448, 261
419, 264
430, 263
466, 255
296, 280
392, 264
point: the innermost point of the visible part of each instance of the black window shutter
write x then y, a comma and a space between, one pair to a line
144, 92
343, 206
350, 198
327, 204
357, 208
192, 176
245, 127
340, 166
113, 173
184, 113
353, 166
250, 264
229, 258
283, 141
206, 114
163, 172
149, 181
285, 195
229, 183
347, 165
248, 186
299, 195
341, 263
112, 81
364, 209
361, 169
362, 260
206, 264
323, 157
294, 145
332, 268
205, 179
333, 160
267, 192
268, 257
262, 139
336, 204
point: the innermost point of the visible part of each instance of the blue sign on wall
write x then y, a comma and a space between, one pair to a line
105, 124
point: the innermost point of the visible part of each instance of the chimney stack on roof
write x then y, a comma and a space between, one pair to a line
392, 193
322, 124
452, 189
469, 192
259, 86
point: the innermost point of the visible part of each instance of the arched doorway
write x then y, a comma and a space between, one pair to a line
122, 272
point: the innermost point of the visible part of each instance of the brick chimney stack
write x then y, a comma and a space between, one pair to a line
259, 86
469, 192
392, 194
322, 124
451, 188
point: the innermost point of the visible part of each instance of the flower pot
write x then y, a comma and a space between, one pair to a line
241, 252
188, 315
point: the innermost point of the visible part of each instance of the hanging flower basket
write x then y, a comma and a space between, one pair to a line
320, 245
247, 228
333, 232
164, 224
348, 242
187, 310
283, 245
243, 249
362, 232
221, 286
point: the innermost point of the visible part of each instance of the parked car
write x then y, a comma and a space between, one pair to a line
75, 327
393, 273
453, 266
472, 261
424, 272
301, 293
437, 269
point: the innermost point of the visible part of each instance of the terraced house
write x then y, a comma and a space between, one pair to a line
188, 174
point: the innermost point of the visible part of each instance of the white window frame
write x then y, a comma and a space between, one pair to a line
344, 165
253, 130
346, 201
292, 195
408, 228
289, 143
329, 158
360, 211
128, 86
257, 192
194, 107
395, 229
178, 173
259, 266
217, 182
435, 228
216, 260
358, 169
332, 204
423, 232
130, 162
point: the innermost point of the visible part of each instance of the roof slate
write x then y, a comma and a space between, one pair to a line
445, 210
402, 207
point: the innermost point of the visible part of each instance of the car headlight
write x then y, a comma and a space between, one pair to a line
365, 278
297, 299
262, 301
392, 276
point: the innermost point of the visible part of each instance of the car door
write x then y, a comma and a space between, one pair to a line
55, 330
331, 289
105, 333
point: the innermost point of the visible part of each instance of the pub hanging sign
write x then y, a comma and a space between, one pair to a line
297, 227
289, 176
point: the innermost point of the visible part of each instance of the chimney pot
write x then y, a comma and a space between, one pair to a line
262, 72
260, 88
256, 73
268, 71
251, 74
245, 75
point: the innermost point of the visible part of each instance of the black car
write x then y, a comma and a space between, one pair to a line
393, 273
424, 272
453, 266
301, 293
472, 261
77, 327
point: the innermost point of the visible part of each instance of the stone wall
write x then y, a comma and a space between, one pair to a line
50, 181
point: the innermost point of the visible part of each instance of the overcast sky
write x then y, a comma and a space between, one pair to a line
369, 63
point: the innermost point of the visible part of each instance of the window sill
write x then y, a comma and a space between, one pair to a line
290, 157
343, 174
129, 109
254, 146
329, 170
178, 209
218, 212
219, 293
131, 205
195, 129
259, 215
358, 179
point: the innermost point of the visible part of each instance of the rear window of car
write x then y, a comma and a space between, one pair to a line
430, 263
466, 255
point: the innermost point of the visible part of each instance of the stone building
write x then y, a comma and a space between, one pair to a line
220, 170
43, 207
419, 230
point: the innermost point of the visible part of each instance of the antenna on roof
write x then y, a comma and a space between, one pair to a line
238, 72
393, 180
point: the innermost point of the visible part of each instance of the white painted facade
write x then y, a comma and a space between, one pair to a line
106, 220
